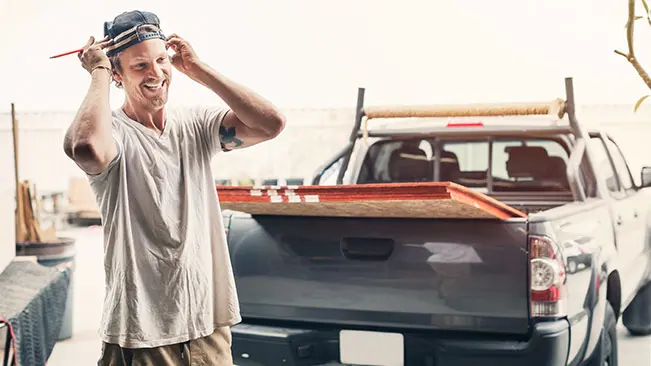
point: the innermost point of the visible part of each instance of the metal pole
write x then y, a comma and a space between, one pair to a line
359, 114
14, 127
570, 108
21, 226
437, 158
489, 174
580, 134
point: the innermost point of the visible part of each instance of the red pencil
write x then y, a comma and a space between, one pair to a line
67, 53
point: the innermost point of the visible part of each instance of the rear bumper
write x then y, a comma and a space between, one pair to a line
255, 345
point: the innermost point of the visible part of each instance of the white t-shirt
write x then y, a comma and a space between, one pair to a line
168, 273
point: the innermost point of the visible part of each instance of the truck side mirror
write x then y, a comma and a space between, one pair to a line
646, 176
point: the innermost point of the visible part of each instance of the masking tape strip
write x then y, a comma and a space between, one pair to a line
310, 198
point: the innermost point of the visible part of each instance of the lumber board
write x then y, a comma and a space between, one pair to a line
554, 108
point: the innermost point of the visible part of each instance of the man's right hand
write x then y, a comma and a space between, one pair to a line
93, 54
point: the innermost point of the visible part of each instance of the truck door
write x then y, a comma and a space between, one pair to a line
628, 222
636, 211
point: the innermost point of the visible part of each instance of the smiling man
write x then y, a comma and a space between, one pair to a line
170, 293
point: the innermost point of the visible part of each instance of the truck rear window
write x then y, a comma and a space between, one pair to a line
515, 165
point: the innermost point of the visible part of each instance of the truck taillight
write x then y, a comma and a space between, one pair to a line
548, 278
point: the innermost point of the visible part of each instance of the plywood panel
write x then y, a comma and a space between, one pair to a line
408, 200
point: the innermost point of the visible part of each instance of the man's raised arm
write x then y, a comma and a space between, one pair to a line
252, 118
88, 140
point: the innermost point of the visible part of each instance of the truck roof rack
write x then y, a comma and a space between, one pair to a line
548, 112
556, 109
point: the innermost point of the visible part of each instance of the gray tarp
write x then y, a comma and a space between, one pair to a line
32, 301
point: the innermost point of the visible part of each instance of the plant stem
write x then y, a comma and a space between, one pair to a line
630, 28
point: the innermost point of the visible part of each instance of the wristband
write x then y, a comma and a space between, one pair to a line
102, 67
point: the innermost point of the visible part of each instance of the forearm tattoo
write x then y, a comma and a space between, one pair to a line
227, 137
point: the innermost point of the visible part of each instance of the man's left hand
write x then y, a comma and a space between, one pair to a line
185, 59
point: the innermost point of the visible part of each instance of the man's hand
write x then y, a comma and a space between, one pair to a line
93, 54
185, 59
252, 119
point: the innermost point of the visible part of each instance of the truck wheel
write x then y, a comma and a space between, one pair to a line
572, 266
605, 354
637, 316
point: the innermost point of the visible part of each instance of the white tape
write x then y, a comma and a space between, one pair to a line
289, 192
276, 199
292, 187
272, 192
312, 198
294, 199
256, 192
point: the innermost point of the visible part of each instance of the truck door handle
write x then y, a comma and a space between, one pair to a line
367, 249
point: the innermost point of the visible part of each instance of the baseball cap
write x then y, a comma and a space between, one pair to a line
123, 30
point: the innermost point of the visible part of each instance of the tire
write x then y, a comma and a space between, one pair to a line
637, 317
606, 352
572, 266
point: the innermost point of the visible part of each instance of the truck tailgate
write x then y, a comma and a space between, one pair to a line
446, 274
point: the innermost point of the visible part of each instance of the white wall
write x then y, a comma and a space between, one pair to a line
311, 137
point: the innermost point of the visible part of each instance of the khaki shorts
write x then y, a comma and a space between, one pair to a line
214, 349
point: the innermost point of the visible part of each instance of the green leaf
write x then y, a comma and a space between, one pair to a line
639, 102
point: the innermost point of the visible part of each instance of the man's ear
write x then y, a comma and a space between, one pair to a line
117, 77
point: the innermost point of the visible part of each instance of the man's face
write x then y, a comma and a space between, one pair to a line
146, 73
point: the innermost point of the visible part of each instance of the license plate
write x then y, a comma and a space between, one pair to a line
371, 348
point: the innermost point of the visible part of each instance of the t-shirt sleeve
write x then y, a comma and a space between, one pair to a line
210, 120
102, 175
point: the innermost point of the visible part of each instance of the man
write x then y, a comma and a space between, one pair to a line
170, 293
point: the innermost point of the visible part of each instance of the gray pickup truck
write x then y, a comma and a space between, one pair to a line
545, 289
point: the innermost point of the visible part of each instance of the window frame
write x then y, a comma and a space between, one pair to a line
440, 141
634, 188
621, 193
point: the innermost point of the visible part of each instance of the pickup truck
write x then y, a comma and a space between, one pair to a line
544, 288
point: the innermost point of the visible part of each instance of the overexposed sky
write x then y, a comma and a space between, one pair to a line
316, 53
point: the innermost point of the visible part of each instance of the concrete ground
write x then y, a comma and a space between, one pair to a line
84, 347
